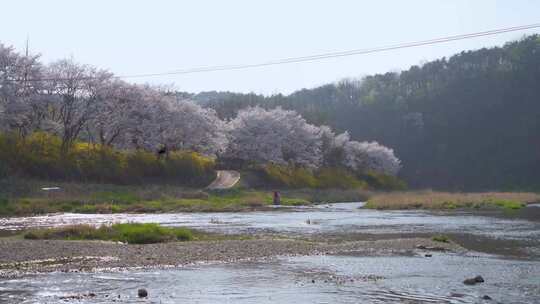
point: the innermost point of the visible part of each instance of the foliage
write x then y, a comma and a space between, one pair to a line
298, 177
39, 155
379, 181
129, 233
81, 103
289, 177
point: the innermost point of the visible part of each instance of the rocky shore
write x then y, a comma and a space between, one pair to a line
19, 257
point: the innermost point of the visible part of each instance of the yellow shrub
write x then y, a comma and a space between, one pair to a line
289, 176
39, 155
339, 178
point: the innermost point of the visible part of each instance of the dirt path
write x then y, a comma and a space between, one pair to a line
225, 179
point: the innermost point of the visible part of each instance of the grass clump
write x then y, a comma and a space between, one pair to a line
441, 239
508, 204
446, 200
128, 233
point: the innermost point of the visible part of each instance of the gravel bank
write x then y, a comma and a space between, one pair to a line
19, 257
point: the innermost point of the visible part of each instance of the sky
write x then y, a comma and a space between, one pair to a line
138, 37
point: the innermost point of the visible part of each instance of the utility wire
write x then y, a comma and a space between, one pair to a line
322, 56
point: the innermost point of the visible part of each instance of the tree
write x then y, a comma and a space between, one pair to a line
74, 94
370, 156
188, 126
21, 107
274, 136
117, 112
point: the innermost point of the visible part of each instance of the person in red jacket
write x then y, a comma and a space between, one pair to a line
277, 198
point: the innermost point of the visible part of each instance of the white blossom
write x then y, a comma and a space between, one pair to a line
275, 136
366, 156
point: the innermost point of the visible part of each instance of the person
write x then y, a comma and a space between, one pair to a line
277, 198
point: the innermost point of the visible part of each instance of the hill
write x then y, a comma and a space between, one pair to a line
468, 122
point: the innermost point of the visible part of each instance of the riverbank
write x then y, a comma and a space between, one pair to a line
19, 257
26, 198
449, 201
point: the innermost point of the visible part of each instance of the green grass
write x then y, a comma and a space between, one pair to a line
24, 198
95, 198
441, 239
128, 233
508, 204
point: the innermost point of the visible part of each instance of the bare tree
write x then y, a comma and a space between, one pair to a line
74, 95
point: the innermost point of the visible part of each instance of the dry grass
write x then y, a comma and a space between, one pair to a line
447, 200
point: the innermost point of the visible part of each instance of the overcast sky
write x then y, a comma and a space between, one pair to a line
134, 37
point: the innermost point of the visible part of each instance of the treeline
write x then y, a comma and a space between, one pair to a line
468, 122
71, 121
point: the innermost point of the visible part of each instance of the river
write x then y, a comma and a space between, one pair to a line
507, 256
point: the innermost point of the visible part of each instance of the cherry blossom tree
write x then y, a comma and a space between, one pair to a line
21, 107
74, 95
188, 126
78, 101
365, 156
275, 136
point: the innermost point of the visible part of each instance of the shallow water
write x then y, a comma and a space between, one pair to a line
337, 279
335, 218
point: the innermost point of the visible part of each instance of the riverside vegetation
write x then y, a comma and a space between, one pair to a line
98, 179
128, 233
446, 200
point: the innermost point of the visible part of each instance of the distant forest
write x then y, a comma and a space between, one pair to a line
468, 122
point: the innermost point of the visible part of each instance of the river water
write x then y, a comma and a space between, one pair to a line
510, 278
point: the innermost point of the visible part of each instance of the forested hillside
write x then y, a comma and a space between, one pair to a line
471, 121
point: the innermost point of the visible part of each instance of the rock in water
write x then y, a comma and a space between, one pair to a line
479, 279
486, 297
142, 293
474, 281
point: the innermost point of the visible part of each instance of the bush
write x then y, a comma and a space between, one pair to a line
189, 168
39, 156
380, 181
98, 163
290, 177
141, 165
325, 178
338, 179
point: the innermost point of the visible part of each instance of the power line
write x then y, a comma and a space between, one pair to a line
323, 56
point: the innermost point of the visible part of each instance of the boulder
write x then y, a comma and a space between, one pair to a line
142, 293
